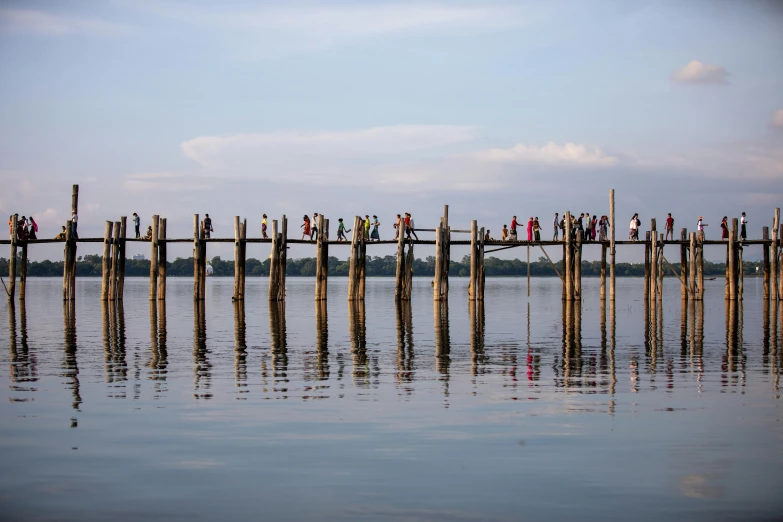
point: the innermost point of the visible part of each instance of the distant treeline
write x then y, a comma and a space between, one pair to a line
378, 266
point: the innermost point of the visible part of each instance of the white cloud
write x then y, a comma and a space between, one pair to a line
698, 72
777, 119
53, 24
550, 154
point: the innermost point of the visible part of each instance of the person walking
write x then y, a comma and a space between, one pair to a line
669, 227
305, 226
588, 227
556, 225
32, 233
341, 230
633, 233
743, 232
563, 226
700, 227
263, 226
504, 233
724, 229
137, 225
603, 227
375, 235
530, 229
314, 227
411, 227
397, 225
207, 227
366, 226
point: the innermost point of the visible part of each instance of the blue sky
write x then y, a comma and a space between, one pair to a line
344, 108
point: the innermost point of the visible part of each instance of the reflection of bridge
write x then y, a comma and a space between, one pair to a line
690, 247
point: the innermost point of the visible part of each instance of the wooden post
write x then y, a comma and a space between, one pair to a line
480, 273
12, 260
578, 267
473, 260
115, 261
528, 269
243, 259
647, 266
692, 278
740, 273
660, 266
274, 260
283, 258
684, 264
653, 260
436, 282
399, 274
75, 199
765, 262
780, 257
154, 259
106, 261
66, 262
321, 261
603, 272
773, 258
162, 268
202, 276
700, 267
235, 296
23, 273
568, 264
196, 256
353, 271
732, 264
611, 245
121, 265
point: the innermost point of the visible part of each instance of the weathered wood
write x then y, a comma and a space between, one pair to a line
196, 256
154, 259
653, 241
106, 261
647, 266
353, 270
480, 272
115, 261
568, 264
235, 296
399, 273
243, 258
66, 261
202, 277
162, 268
473, 260
528, 270
765, 263
692, 278
12, 259
321, 261
603, 273
732, 264
274, 263
780, 257
684, 263
283, 257
578, 266
700, 266
23, 274
660, 266
740, 273
121, 261
773, 258
611, 246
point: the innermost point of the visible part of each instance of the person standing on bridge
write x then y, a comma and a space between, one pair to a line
743, 222
305, 226
588, 226
263, 226
594, 227
504, 233
314, 229
700, 227
207, 227
530, 229
137, 224
341, 230
397, 225
669, 227
724, 226
556, 224
411, 228
375, 235
536, 230
603, 227
633, 232
74, 222
513, 233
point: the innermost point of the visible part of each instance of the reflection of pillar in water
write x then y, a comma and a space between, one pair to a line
201, 371
442, 341
612, 345
533, 359
322, 339
358, 331
23, 365
405, 354
731, 342
71, 364
159, 356
240, 348
569, 344
699, 343
477, 357
683, 332
773, 344
279, 347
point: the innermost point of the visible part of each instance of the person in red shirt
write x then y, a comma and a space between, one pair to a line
530, 229
513, 234
669, 226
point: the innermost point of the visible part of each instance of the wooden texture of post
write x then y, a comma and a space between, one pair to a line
72, 243
12, 259
66, 262
692, 279
473, 260
115, 261
202, 276
765, 262
321, 261
283, 258
780, 261
274, 261
603, 271
75, 199
480, 272
611, 245
578, 266
773, 258
740, 273
528, 269
154, 259
653, 260
162, 268
660, 265
362, 265
684, 264
700, 267
243, 258
235, 296
647, 266
733, 260
196, 256
353, 271
568, 264
121, 260
399, 273
23, 272
106, 261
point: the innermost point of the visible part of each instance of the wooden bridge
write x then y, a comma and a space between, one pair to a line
690, 247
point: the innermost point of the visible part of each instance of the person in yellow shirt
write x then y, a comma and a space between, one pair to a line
263, 227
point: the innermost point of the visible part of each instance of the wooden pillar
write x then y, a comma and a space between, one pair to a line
611, 245
106, 261
473, 260
162, 268
700, 266
23, 273
196, 256
66, 262
353, 271
684, 264
75, 199
321, 261
692, 278
653, 260
740, 273
647, 266
399, 274
243, 258
12, 260
284, 257
154, 259
274, 260
568, 263
660, 266
202, 278
578, 266
765, 262
780, 262
603, 271
235, 296
121, 261
115, 261
773, 258
72, 243
528, 269
732, 264
480, 273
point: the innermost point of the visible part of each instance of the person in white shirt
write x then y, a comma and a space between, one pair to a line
743, 233
634, 228
74, 221
700, 227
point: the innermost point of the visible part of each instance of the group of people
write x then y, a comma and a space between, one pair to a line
593, 228
24, 229
633, 232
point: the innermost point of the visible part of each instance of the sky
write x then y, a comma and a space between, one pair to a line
344, 108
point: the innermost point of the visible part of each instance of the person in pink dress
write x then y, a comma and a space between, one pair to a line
530, 229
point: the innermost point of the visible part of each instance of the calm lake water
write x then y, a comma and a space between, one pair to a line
518, 409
